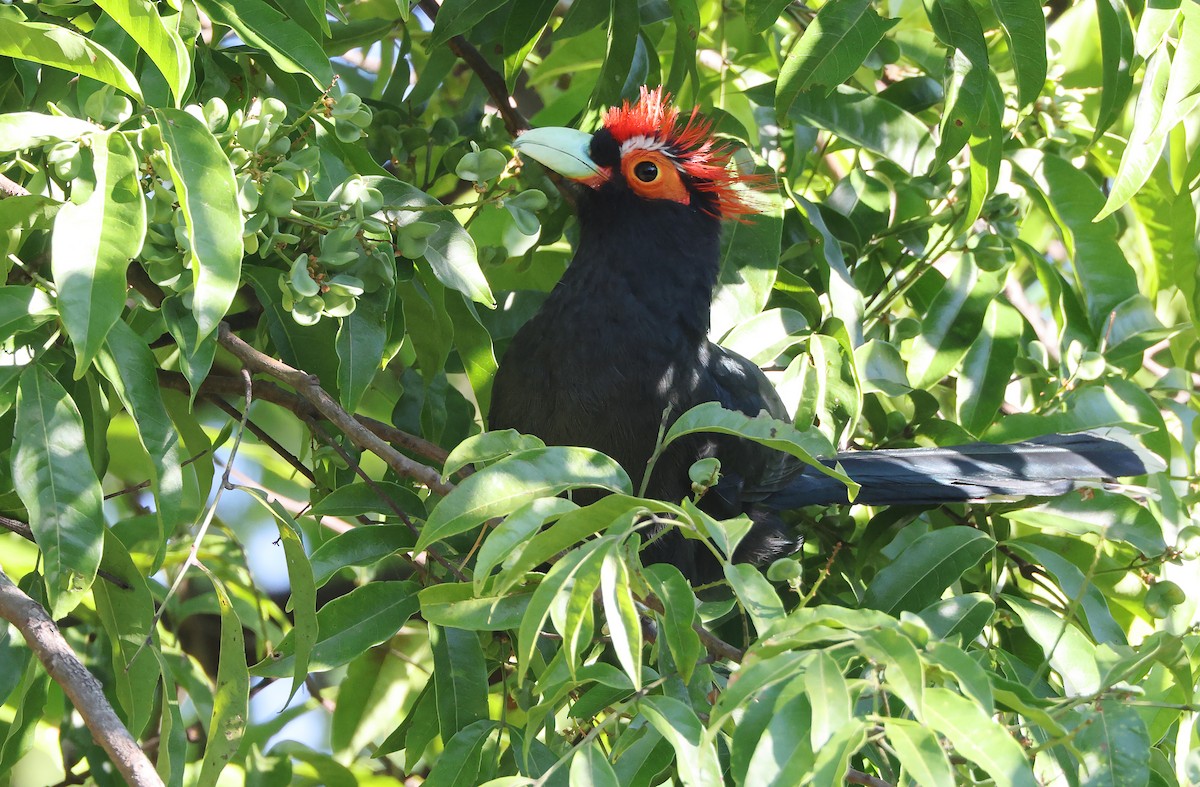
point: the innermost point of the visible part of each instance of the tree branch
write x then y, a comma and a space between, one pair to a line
309, 388
713, 644
84, 691
270, 392
493, 80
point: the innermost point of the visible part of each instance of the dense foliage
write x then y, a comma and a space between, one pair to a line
221, 313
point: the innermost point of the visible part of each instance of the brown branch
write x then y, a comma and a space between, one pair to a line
493, 80
309, 388
265, 439
84, 691
270, 392
855, 776
719, 648
370, 482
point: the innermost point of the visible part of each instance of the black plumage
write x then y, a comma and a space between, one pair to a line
623, 338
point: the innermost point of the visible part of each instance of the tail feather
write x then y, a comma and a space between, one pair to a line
1043, 467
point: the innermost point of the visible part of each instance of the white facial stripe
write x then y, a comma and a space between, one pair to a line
643, 142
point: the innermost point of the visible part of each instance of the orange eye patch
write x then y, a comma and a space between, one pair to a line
653, 175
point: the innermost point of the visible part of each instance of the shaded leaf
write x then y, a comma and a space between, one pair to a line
926, 568
53, 476
92, 245
207, 191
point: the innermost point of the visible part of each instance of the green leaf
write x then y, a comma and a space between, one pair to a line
360, 340
1075, 585
24, 130
474, 345
844, 298
512, 482
348, 625
131, 368
870, 122
624, 626
457, 604
749, 260
979, 738
685, 16
1116, 50
460, 679
459, 763
903, 667
805, 446
1025, 30
881, 368
456, 17
515, 531
377, 497
590, 768
1146, 139
987, 367
920, 753
761, 14
195, 357
486, 446
832, 48
231, 701
127, 615
450, 252
755, 594
764, 337
679, 603
830, 699
952, 323
53, 475
928, 566
959, 618
60, 47
1113, 744
1069, 652
362, 546
755, 676
775, 741
972, 679
23, 309
560, 578
695, 754
624, 25
207, 191
160, 41
1105, 514
92, 245
303, 603
289, 46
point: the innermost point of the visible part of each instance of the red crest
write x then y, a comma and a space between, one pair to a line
698, 155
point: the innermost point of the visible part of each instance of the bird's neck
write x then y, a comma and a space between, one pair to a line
656, 263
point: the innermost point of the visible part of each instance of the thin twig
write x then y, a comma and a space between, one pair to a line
385, 497
493, 80
216, 384
717, 647
84, 691
208, 516
308, 387
265, 438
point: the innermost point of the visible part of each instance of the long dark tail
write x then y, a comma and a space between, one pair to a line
1043, 467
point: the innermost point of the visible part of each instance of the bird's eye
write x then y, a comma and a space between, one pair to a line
645, 171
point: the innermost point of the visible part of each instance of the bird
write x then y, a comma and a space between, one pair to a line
620, 349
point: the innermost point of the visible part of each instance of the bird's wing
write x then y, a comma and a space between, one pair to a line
740, 385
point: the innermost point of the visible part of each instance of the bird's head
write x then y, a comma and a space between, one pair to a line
644, 152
